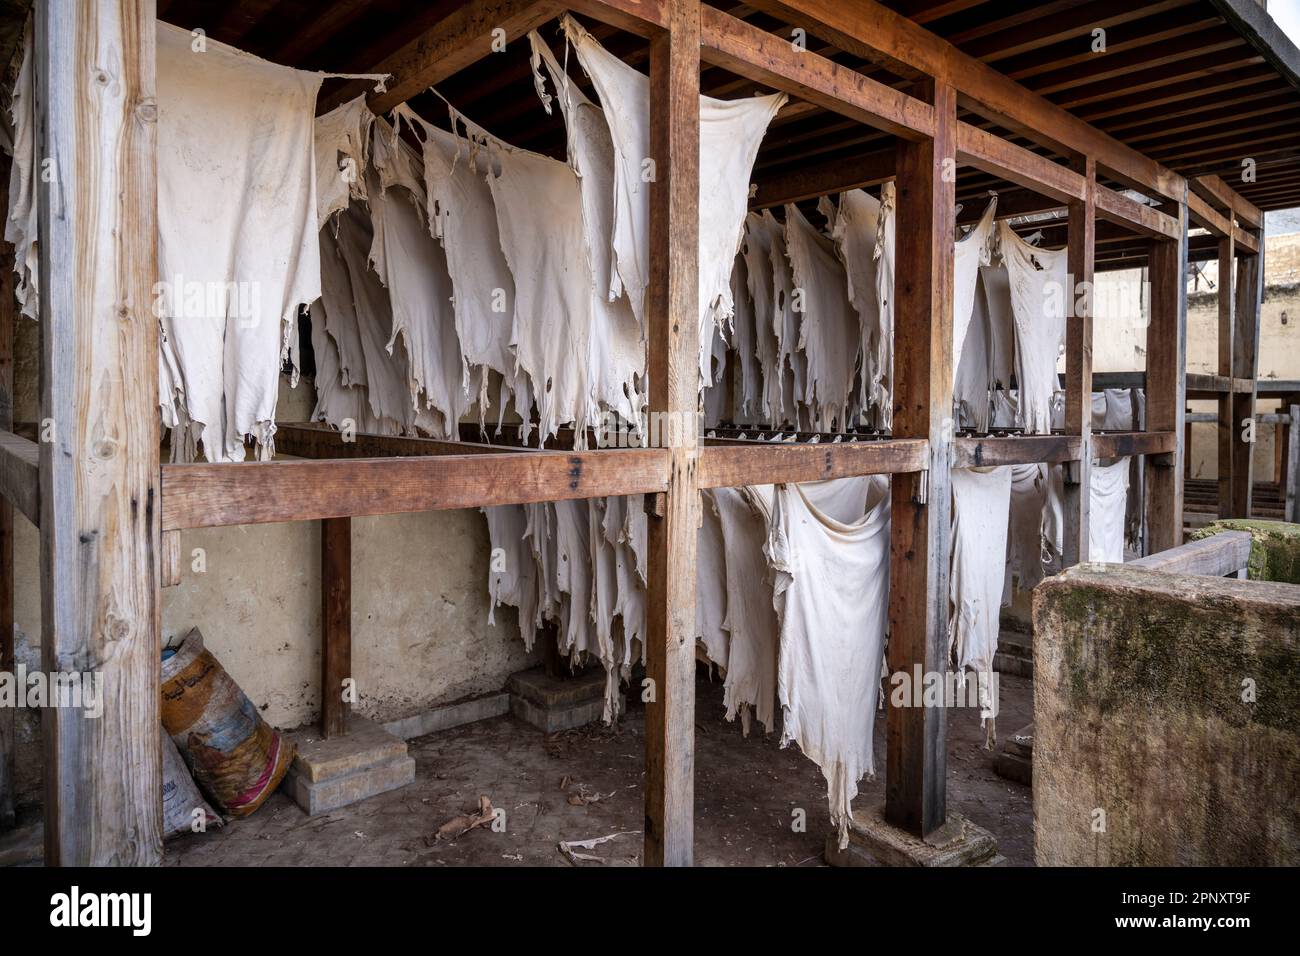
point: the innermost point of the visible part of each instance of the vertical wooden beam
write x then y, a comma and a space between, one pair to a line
99, 470
335, 624
1081, 255
8, 715
672, 304
921, 508
1292, 499
1227, 428
1247, 313
1167, 384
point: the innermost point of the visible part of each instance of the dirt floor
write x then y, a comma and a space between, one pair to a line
586, 783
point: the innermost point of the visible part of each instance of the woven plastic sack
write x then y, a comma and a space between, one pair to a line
236, 756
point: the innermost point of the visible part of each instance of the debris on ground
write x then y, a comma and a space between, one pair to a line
463, 823
570, 847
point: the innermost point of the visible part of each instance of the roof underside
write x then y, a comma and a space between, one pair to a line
1186, 82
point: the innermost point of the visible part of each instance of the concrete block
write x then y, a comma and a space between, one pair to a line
1166, 720
330, 773
331, 794
873, 842
553, 705
450, 715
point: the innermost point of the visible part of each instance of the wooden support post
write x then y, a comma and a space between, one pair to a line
8, 738
1081, 252
672, 304
1247, 312
1289, 492
99, 468
1167, 385
335, 625
1227, 343
922, 505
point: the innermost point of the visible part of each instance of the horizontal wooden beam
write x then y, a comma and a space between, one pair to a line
207, 495
1123, 210
454, 43
985, 450
763, 57
1000, 157
733, 465
1218, 556
313, 440
870, 29
20, 475
1128, 444
825, 179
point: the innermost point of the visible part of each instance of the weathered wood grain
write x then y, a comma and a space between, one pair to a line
672, 308
921, 509
99, 394
208, 495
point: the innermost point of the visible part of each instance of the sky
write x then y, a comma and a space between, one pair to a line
1287, 15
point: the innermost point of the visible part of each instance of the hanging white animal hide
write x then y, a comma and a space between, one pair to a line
830, 333
828, 546
981, 502
342, 144
237, 247
21, 227
1108, 501
618, 352
413, 267
463, 218
751, 622
757, 252
970, 252
1038, 301
854, 231
730, 134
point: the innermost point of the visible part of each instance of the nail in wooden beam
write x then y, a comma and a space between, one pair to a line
673, 308
336, 625
99, 470
1081, 251
919, 537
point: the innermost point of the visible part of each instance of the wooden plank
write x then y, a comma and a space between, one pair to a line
454, 43
1250, 20
826, 179
1217, 556
921, 508
206, 495
1220, 194
1146, 220
1292, 497
1003, 158
1227, 331
8, 312
1080, 254
99, 389
1203, 214
20, 484
773, 60
1247, 313
313, 440
1166, 387
335, 625
730, 466
872, 30
672, 307
977, 452
170, 559
1130, 444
